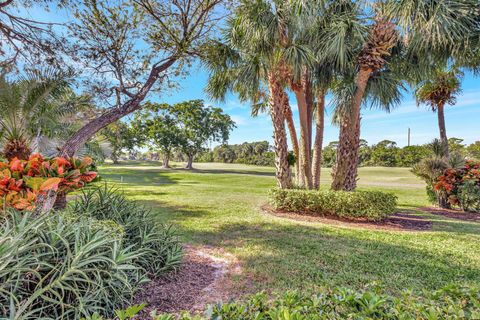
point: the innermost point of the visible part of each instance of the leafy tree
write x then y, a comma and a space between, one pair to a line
159, 129
120, 137
384, 153
199, 124
473, 150
130, 48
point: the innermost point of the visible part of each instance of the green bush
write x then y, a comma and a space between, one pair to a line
158, 244
451, 302
469, 196
60, 266
369, 205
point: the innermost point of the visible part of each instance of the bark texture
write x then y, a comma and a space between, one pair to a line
305, 166
318, 145
292, 131
283, 174
441, 126
347, 150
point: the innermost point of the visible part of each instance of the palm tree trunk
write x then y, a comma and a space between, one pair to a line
283, 174
305, 167
442, 127
317, 147
293, 133
349, 142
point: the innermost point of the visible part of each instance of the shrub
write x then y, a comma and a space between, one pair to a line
160, 248
451, 302
60, 266
21, 181
461, 186
369, 205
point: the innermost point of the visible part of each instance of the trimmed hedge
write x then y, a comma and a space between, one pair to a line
368, 205
451, 302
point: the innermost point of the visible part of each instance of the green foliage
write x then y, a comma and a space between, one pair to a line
469, 196
63, 266
159, 248
256, 153
449, 303
369, 205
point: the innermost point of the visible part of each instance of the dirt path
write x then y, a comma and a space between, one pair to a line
203, 278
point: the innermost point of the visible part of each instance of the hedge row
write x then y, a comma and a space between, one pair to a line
368, 205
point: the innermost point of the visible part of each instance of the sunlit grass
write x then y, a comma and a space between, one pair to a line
219, 205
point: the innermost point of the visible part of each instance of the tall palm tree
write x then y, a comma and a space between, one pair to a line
437, 92
34, 108
425, 29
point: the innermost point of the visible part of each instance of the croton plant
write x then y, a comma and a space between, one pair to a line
21, 181
453, 179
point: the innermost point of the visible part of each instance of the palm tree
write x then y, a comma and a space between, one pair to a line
436, 32
437, 92
33, 109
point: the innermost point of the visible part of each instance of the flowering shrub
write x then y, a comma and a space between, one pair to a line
461, 186
22, 180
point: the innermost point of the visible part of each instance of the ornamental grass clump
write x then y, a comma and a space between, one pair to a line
160, 248
367, 205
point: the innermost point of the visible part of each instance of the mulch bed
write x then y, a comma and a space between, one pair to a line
199, 280
454, 214
401, 221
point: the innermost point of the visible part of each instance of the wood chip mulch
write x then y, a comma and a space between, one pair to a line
454, 214
401, 221
200, 280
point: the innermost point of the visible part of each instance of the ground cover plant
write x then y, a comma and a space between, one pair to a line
90, 258
450, 302
220, 205
368, 205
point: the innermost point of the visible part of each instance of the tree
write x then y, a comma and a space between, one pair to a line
438, 91
432, 36
384, 153
131, 47
158, 127
199, 124
473, 150
36, 110
120, 137
25, 39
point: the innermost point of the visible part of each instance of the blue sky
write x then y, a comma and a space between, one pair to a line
462, 119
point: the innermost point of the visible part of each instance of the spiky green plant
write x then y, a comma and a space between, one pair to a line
159, 247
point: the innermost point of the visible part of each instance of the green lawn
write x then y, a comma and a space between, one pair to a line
219, 205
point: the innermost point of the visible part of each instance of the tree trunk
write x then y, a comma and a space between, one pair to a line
189, 165
352, 174
283, 174
305, 167
317, 147
166, 160
310, 100
349, 143
293, 132
442, 127
60, 201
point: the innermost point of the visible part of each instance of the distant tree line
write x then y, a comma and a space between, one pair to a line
385, 153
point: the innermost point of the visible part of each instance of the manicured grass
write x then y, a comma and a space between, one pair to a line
219, 205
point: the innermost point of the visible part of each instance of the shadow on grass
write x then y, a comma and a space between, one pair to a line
252, 172
280, 256
134, 178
